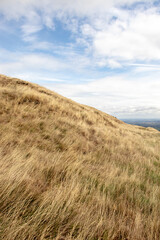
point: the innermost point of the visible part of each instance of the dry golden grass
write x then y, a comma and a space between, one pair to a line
69, 171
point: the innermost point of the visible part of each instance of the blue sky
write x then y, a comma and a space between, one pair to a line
103, 53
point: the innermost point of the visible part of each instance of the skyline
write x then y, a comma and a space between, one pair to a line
105, 54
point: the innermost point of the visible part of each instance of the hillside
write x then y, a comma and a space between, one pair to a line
69, 171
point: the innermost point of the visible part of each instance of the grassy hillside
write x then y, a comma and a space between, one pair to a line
69, 171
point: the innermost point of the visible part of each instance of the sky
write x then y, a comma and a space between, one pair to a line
102, 53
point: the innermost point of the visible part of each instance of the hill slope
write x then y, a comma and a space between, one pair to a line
69, 171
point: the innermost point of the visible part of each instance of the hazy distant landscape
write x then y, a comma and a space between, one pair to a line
154, 123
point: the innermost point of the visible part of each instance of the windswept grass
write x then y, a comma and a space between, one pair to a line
69, 171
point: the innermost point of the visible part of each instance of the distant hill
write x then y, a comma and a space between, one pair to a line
69, 171
154, 123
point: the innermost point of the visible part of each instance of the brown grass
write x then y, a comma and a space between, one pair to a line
69, 171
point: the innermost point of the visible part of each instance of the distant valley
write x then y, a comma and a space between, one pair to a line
154, 123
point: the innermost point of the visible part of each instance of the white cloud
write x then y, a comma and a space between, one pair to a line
43, 12
107, 62
134, 38
108, 31
114, 64
80, 7
30, 29
22, 62
121, 95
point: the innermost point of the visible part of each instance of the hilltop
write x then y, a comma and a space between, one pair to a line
69, 171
